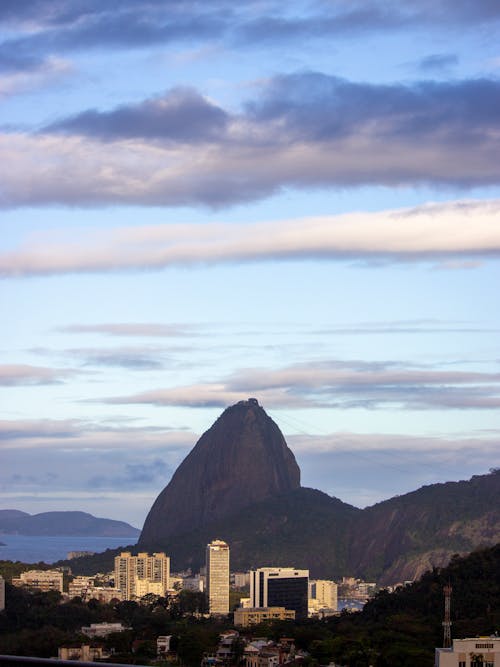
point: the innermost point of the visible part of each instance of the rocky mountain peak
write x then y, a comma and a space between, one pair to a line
242, 459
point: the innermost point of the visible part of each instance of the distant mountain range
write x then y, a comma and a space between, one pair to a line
15, 522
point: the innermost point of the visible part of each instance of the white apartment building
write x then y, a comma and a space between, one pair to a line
44, 580
322, 595
217, 565
136, 576
471, 652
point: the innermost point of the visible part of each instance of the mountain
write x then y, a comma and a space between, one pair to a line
63, 523
242, 459
400, 538
241, 483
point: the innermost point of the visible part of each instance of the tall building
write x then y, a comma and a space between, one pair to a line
136, 576
217, 565
322, 594
280, 587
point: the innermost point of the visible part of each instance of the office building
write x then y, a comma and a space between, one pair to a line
217, 567
280, 587
136, 576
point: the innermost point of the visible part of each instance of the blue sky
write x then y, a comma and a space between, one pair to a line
200, 203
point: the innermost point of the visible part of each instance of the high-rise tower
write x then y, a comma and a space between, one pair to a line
136, 576
217, 563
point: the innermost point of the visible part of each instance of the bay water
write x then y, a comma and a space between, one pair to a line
49, 549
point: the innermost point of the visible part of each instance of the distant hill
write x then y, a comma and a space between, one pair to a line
400, 538
14, 522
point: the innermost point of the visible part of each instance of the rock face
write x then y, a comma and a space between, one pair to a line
241, 460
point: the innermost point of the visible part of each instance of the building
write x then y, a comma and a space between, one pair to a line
193, 583
102, 629
136, 576
280, 587
163, 645
83, 653
217, 565
2, 593
240, 579
79, 554
246, 616
80, 586
44, 580
322, 595
472, 652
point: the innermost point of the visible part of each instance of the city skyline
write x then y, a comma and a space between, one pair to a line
295, 203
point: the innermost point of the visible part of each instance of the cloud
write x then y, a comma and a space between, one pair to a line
31, 76
132, 329
12, 375
181, 115
306, 130
437, 62
48, 26
337, 384
433, 232
134, 358
79, 435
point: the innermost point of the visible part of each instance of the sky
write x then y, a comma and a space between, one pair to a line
205, 202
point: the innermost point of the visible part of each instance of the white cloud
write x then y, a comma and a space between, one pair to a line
334, 384
24, 374
433, 232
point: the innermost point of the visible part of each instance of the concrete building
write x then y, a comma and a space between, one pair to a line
136, 576
280, 587
43, 580
322, 595
240, 579
471, 652
2, 593
83, 653
217, 564
102, 629
246, 616
193, 584
80, 586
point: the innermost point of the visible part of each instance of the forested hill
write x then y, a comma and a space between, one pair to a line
404, 627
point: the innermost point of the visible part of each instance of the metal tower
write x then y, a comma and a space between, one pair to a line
447, 617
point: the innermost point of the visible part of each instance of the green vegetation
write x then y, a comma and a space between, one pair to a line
399, 629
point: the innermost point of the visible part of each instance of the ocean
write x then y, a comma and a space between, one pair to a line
49, 549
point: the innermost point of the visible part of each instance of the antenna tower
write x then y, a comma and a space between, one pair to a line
447, 617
